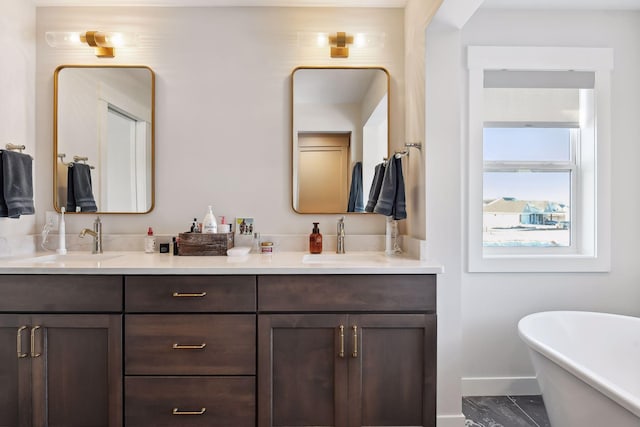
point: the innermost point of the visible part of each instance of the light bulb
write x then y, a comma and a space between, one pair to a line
63, 38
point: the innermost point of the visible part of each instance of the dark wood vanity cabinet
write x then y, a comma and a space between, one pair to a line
190, 351
215, 350
347, 350
60, 351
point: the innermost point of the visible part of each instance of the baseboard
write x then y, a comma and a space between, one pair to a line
450, 420
500, 386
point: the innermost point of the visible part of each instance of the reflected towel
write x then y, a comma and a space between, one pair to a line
374, 192
79, 189
16, 185
391, 201
356, 203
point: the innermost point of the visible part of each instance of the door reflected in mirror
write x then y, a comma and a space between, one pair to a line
104, 118
340, 133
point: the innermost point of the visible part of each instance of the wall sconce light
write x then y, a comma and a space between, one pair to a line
103, 42
339, 42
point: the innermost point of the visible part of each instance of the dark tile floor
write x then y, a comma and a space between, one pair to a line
504, 411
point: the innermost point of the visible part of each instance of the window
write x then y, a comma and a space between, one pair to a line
538, 164
528, 177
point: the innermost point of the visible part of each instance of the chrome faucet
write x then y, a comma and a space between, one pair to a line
96, 233
340, 236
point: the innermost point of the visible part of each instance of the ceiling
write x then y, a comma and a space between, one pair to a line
563, 4
494, 4
196, 3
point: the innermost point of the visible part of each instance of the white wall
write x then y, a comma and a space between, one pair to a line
17, 104
494, 359
223, 116
444, 232
418, 15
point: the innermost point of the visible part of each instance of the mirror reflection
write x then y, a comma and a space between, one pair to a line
340, 133
103, 139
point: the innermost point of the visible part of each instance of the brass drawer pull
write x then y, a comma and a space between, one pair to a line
189, 347
21, 355
355, 341
341, 354
189, 295
33, 342
177, 411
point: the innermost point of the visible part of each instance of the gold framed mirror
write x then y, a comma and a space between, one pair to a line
103, 120
340, 132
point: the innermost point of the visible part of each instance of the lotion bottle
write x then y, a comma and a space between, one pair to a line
209, 224
315, 240
150, 242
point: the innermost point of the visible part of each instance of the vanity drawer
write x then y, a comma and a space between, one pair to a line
190, 293
226, 401
353, 293
60, 293
195, 344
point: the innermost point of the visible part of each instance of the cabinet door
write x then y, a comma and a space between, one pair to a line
15, 371
302, 377
77, 370
392, 370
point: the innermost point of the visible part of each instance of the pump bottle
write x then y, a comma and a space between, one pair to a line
209, 224
150, 242
315, 240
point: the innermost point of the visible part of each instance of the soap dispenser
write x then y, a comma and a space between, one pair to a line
315, 240
209, 224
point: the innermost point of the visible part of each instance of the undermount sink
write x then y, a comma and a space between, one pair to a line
360, 258
68, 258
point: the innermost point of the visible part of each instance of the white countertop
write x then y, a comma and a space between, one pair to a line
132, 263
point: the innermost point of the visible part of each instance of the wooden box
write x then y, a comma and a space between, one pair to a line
203, 244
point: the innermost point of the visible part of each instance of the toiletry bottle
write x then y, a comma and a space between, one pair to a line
175, 246
150, 242
315, 240
209, 224
62, 244
194, 226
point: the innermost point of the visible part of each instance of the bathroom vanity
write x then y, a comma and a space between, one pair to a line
155, 340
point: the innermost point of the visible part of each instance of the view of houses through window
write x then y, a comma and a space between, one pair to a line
527, 182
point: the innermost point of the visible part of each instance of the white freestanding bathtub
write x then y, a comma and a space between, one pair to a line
587, 365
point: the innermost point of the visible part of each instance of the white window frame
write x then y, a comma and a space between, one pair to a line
590, 226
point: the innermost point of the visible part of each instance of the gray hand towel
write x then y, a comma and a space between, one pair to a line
374, 192
16, 185
400, 203
79, 189
391, 201
355, 193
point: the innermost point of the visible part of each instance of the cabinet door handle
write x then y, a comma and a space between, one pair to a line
177, 346
21, 355
33, 342
177, 411
341, 353
355, 341
189, 295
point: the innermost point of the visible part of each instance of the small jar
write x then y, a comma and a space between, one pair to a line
266, 248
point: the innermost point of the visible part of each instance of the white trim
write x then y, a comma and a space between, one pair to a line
450, 420
597, 257
500, 386
539, 58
